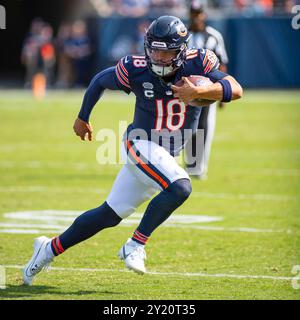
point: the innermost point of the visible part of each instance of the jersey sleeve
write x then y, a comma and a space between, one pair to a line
106, 79
123, 70
210, 61
202, 62
210, 65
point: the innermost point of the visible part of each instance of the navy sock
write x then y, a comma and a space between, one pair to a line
161, 207
85, 226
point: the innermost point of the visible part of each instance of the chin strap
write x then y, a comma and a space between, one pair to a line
162, 71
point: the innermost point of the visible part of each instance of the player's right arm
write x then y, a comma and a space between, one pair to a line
114, 78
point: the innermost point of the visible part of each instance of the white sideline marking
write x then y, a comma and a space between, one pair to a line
54, 222
209, 195
181, 274
47, 229
204, 228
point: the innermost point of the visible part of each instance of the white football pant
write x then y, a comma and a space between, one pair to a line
148, 169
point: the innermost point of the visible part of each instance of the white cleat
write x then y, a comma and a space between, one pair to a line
38, 261
134, 255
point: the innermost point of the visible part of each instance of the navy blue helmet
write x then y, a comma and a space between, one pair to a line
168, 34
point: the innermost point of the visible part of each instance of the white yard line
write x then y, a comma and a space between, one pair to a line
33, 189
180, 274
83, 166
55, 221
237, 196
29, 229
62, 215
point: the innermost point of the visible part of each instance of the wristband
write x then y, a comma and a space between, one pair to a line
227, 90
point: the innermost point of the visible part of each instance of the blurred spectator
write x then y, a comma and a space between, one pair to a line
264, 7
139, 8
254, 7
121, 46
283, 6
78, 49
38, 52
170, 7
102, 7
133, 8
47, 54
65, 73
30, 50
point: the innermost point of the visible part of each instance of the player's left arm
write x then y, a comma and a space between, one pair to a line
103, 80
114, 78
225, 90
225, 87
223, 68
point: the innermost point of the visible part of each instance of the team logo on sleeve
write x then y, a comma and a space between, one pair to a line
122, 74
209, 61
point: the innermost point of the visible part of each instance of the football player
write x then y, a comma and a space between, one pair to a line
161, 107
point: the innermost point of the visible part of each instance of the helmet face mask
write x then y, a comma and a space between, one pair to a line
163, 62
165, 45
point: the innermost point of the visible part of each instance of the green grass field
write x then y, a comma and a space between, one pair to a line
250, 252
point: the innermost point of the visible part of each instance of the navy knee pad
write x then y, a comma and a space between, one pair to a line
162, 206
180, 189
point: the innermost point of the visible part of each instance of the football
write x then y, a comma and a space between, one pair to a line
198, 81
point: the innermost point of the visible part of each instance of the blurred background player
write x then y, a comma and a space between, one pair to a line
204, 36
30, 50
65, 72
38, 57
78, 49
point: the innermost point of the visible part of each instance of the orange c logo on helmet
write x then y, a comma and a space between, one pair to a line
182, 31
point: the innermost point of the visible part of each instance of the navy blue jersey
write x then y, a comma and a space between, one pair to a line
158, 114
157, 111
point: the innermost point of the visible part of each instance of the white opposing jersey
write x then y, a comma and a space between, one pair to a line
210, 39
